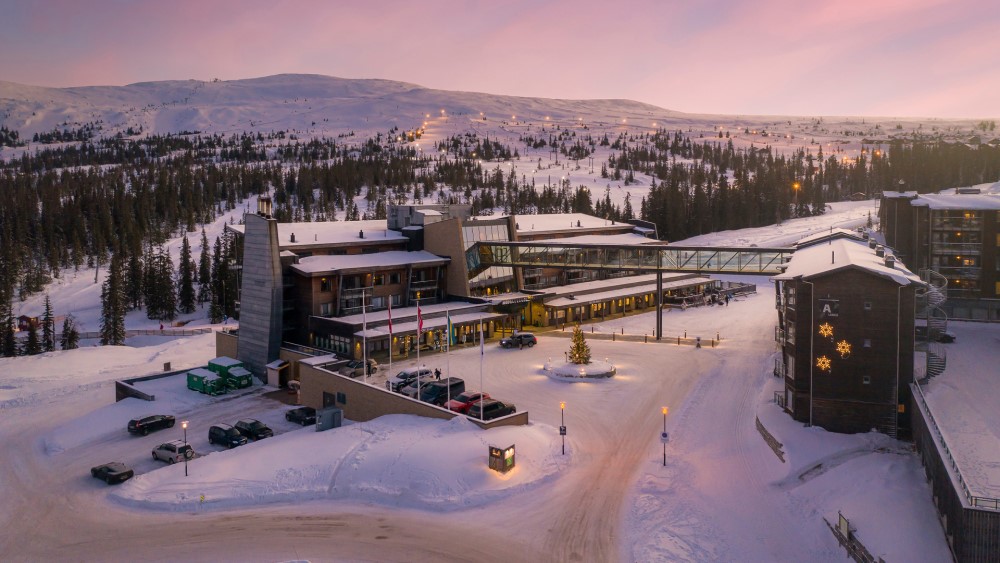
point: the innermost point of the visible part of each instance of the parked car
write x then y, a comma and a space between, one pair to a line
519, 340
946, 337
226, 435
147, 424
437, 392
397, 382
173, 451
253, 429
111, 473
355, 368
301, 415
463, 401
490, 409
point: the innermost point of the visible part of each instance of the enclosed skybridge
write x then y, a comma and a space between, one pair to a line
634, 258
654, 258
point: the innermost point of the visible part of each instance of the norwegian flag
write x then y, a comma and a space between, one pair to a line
420, 320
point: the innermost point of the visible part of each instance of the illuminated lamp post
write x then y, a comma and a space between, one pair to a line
184, 425
663, 437
562, 425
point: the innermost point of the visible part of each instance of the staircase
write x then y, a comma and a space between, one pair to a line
931, 323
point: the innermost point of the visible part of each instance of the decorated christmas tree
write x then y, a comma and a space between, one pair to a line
579, 351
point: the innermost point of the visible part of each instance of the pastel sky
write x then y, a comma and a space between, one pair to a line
928, 58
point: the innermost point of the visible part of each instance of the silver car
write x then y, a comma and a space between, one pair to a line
173, 452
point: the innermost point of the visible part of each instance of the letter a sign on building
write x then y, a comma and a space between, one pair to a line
829, 308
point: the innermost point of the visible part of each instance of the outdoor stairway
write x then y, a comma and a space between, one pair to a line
929, 304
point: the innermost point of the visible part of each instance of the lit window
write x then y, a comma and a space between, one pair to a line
866, 380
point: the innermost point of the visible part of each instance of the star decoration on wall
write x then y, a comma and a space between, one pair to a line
844, 347
826, 329
823, 363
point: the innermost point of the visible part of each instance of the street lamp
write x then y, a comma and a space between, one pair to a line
184, 425
663, 437
562, 424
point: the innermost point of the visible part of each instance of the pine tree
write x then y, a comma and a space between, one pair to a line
205, 271
114, 302
579, 351
185, 275
32, 346
70, 339
48, 327
9, 342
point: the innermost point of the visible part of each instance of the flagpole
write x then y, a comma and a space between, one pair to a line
364, 337
390, 337
420, 325
447, 353
482, 352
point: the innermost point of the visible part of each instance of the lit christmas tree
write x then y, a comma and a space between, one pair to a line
579, 352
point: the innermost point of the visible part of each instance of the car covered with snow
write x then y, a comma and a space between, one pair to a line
404, 378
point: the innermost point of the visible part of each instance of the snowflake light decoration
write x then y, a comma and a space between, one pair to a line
826, 329
844, 347
823, 363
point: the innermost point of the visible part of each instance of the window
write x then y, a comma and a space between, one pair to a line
868, 343
379, 279
397, 300
324, 284
394, 279
324, 309
378, 302
866, 380
868, 305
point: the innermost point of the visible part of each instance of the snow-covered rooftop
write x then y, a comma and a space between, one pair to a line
325, 233
613, 283
624, 292
981, 201
559, 222
843, 253
411, 312
429, 324
821, 236
392, 258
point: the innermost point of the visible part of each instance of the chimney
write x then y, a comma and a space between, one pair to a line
293, 237
880, 251
890, 261
833, 258
361, 233
872, 243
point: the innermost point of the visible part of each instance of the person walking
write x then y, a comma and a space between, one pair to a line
437, 374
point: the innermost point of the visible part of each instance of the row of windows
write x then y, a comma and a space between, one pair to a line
351, 282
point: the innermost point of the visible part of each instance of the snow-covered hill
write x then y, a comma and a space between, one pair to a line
324, 105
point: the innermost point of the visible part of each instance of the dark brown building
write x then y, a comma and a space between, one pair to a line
846, 330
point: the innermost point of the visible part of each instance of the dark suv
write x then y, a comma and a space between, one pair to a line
437, 393
147, 424
253, 429
301, 415
519, 340
490, 409
111, 473
226, 435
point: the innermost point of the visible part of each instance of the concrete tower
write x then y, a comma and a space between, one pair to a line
261, 294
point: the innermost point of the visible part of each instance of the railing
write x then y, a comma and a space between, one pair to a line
959, 224
976, 501
154, 332
779, 369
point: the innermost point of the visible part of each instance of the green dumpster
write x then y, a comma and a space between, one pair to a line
223, 364
239, 378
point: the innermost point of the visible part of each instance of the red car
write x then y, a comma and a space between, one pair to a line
461, 403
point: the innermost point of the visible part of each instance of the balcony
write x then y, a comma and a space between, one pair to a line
957, 224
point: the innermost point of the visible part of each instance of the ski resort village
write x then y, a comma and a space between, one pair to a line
305, 318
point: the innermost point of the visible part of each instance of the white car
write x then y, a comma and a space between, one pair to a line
173, 452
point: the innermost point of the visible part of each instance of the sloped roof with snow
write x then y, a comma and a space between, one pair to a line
823, 236
560, 222
328, 264
981, 201
327, 233
622, 238
840, 254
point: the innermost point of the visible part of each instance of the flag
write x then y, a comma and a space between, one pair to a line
420, 321
482, 342
449, 328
